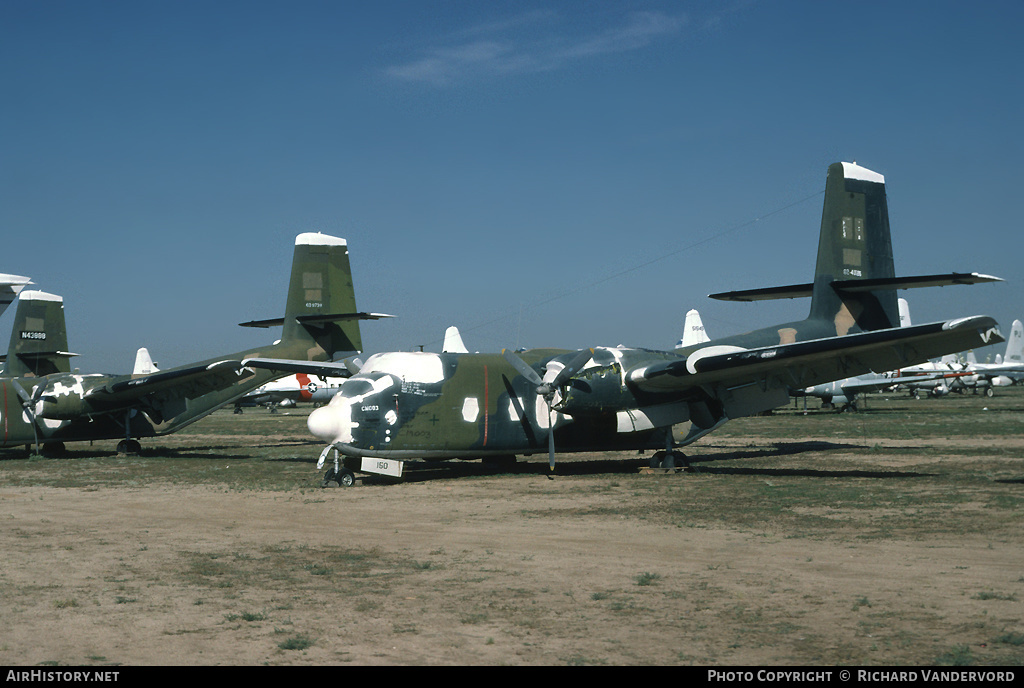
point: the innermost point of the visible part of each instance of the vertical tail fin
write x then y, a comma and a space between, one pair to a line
39, 339
693, 330
320, 314
1015, 345
904, 308
144, 363
453, 342
855, 245
321, 285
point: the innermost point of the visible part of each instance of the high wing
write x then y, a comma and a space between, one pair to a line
344, 368
168, 386
804, 364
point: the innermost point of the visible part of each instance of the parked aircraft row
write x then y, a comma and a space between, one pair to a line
461, 405
58, 406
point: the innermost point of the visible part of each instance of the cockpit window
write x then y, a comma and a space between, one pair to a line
356, 387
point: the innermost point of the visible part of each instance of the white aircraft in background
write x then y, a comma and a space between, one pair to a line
693, 330
144, 363
1007, 370
288, 391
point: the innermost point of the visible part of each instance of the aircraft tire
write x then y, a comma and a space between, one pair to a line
989, 392
346, 478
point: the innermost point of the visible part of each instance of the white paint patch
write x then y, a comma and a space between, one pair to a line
470, 409
318, 239
410, 366
708, 351
540, 409
852, 170
36, 295
650, 417
333, 423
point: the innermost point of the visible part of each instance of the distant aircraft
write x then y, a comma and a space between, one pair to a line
406, 405
985, 377
290, 390
58, 406
10, 286
144, 363
693, 330
948, 373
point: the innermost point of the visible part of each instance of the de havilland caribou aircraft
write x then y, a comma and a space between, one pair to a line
44, 403
406, 405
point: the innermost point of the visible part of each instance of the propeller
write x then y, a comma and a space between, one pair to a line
547, 388
28, 402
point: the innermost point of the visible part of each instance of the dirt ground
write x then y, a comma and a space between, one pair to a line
818, 552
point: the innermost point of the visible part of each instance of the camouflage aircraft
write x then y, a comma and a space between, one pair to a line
44, 403
404, 405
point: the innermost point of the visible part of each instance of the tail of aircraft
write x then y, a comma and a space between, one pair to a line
144, 363
693, 330
904, 313
453, 342
854, 248
1015, 345
39, 339
320, 314
855, 283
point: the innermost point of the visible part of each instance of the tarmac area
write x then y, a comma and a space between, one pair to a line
889, 537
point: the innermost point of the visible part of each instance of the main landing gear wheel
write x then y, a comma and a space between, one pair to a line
344, 477
129, 447
668, 460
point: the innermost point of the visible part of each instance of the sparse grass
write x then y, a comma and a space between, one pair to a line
888, 476
296, 642
647, 578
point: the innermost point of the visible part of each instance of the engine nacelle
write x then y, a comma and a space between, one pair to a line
595, 390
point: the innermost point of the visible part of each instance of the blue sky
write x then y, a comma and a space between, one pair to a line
539, 174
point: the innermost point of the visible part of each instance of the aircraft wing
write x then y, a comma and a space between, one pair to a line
181, 383
804, 364
320, 368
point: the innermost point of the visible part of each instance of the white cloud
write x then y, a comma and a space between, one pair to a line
491, 53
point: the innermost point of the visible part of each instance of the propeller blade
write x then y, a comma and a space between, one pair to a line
522, 366
572, 367
353, 365
551, 443
29, 404
323, 456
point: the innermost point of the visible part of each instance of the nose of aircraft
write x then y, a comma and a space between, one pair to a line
324, 424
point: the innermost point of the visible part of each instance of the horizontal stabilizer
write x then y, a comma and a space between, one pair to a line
316, 319
10, 285
796, 291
